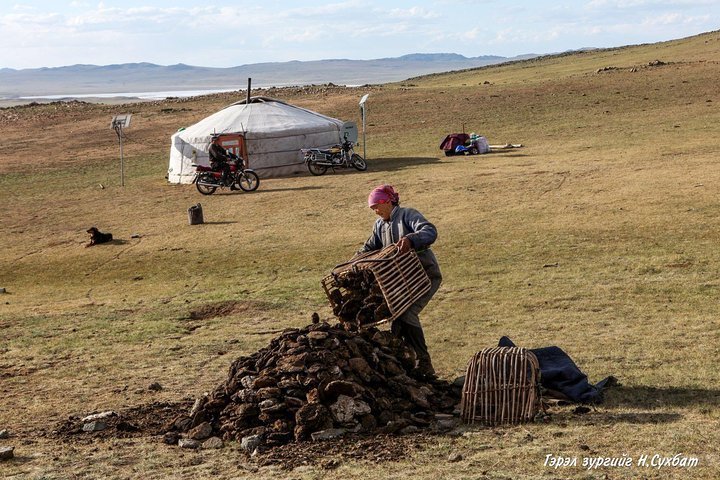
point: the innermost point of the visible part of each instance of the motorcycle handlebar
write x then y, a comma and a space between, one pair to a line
317, 149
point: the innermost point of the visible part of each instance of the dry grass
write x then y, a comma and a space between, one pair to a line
599, 236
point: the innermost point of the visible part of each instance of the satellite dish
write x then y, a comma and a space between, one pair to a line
121, 121
349, 132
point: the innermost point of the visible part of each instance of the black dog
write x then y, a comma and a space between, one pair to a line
96, 236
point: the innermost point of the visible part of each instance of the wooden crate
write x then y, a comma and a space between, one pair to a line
401, 278
502, 386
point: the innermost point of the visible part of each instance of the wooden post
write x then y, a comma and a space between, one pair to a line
195, 215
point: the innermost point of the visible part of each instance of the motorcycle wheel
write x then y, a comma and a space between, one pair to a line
248, 181
316, 169
358, 162
205, 189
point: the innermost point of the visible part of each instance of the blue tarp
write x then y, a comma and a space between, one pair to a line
559, 373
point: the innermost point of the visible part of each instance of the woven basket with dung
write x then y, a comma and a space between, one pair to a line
375, 287
502, 386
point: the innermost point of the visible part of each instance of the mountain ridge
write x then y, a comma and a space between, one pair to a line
86, 79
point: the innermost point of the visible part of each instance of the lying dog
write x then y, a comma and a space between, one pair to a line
96, 236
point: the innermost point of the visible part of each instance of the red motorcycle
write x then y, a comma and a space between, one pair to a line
225, 170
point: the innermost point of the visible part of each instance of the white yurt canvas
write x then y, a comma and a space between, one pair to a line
273, 132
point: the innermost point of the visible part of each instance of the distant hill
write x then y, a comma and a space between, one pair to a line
148, 77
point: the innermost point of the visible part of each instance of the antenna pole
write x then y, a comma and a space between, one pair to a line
118, 123
364, 128
363, 115
119, 131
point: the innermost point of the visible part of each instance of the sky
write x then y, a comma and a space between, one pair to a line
221, 33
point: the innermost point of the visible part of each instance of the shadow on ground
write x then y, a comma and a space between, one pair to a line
657, 397
603, 417
261, 189
511, 155
398, 163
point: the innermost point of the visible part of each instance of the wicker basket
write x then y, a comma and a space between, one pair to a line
502, 386
401, 279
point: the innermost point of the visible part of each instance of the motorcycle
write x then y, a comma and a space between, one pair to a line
340, 156
225, 174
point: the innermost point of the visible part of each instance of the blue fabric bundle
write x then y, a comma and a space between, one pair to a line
560, 374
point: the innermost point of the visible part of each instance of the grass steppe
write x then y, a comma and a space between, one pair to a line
599, 235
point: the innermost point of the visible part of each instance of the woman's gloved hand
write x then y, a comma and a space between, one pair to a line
405, 245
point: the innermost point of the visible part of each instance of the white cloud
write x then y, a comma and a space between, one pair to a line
471, 34
23, 8
28, 21
323, 11
627, 4
233, 32
413, 12
676, 19
304, 35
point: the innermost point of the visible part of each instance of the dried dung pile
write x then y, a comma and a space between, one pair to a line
320, 382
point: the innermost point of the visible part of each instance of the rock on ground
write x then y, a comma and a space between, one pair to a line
7, 453
94, 426
213, 443
188, 443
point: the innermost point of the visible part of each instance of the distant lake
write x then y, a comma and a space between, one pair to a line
142, 95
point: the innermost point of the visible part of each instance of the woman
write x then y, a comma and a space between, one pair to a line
407, 228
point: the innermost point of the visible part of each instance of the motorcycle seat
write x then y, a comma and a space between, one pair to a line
329, 151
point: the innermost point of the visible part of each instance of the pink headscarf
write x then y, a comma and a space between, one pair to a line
383, 194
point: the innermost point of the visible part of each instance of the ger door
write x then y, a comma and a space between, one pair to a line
235, 143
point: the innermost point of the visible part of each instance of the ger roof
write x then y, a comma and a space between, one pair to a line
261, 116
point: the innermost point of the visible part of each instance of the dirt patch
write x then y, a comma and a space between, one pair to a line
153, 419
223, 309
331, 454
140, 421
9, 371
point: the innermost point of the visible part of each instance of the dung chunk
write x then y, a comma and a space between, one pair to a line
358, 299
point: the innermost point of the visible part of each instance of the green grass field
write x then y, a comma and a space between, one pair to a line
600, 236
